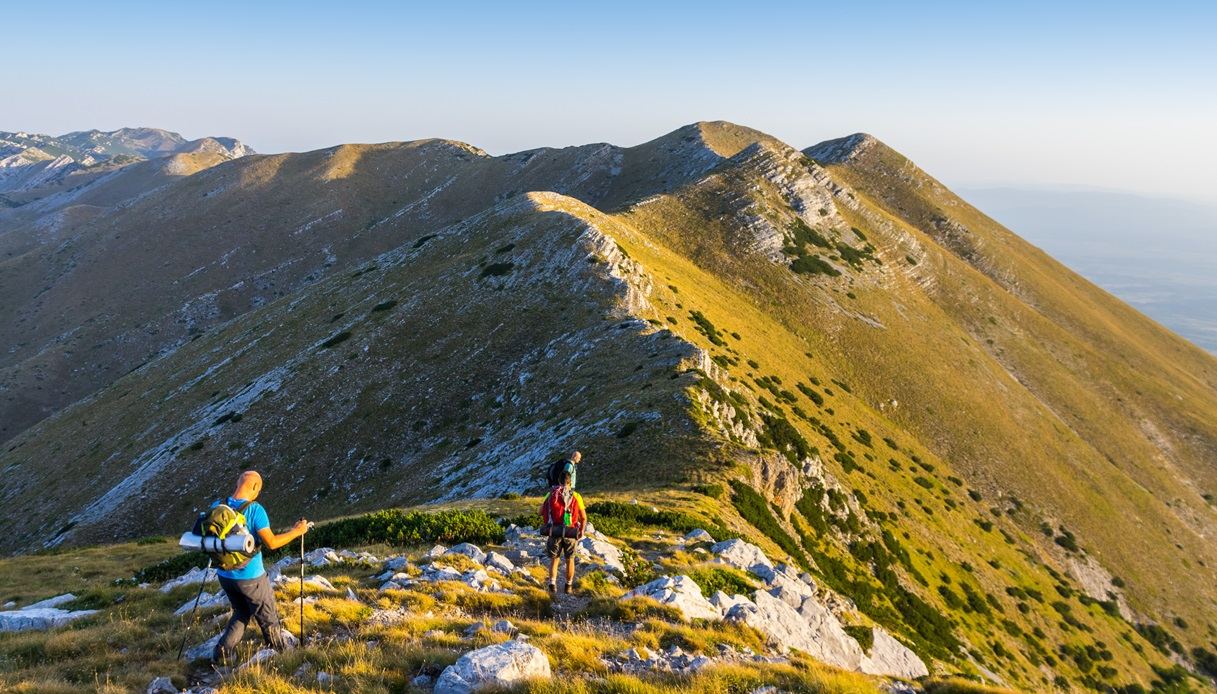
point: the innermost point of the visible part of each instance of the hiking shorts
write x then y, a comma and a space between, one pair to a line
560, 547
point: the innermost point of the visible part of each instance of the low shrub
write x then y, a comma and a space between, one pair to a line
390, 527
755, 509
712, 579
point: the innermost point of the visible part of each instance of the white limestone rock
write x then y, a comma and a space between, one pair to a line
161, 685
811, 629
699, 535
602, 552
39, 618
206, 602
497, 561
680, 592
889, 657
500, 665
743, 555
469, 550
51, 602
723, 602
193, 576
202, 651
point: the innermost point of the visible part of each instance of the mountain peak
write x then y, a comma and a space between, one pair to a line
843, 149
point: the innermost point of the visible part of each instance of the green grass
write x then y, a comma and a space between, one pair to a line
755, 509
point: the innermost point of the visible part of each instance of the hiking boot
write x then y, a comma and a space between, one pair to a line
553, 588
569, 588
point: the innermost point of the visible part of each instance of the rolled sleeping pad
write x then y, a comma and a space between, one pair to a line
242, 542
560, 531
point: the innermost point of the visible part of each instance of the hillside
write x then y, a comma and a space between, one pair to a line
830, 353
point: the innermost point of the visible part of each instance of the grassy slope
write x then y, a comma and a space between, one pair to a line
1129, 404
1038, 436
779, 325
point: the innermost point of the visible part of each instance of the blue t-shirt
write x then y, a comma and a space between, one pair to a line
255, 520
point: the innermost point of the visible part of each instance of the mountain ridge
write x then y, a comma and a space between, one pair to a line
935, 416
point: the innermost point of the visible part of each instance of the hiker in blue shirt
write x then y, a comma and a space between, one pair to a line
247, 587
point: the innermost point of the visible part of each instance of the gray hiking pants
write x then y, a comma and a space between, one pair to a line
254, 599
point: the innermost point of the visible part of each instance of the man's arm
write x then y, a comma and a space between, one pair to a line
272, 541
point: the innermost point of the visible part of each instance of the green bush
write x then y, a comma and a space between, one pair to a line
391, 527
714, 491
614, 517
705, 327
753, 507
497, 269
865, 636
814, 265
713, 579
781, 435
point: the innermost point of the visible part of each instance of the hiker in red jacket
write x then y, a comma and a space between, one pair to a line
563, 521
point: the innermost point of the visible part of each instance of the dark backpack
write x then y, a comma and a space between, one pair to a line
219, 522
554, 476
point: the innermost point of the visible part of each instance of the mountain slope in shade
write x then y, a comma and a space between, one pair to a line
1000, 463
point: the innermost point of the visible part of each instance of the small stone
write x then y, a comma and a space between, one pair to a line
260, 657
436, 551
325, 679
422, 681
474, 629
504, 627
161, 685
699, 535
699, 662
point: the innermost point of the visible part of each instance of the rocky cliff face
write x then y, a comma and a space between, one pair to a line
986, 455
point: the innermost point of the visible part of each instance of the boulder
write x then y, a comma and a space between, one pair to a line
698, 535
469, 550
202, 651
811, 629
195, 575
743, 555
680, 592
889, 657
601, 552
500, 563
51, 602
39, 618
497, 666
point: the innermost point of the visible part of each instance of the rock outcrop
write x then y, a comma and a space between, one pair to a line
680, 592
500, 665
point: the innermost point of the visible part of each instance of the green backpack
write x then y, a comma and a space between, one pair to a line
219, 522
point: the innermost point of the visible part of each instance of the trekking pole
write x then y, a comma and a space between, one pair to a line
185, 634
301, 591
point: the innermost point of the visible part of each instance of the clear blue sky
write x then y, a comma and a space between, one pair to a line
1114, 95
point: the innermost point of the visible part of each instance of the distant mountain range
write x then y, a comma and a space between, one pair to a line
1007, 467
33, 166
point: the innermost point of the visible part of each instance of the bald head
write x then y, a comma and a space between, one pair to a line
249, 485
575, 457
